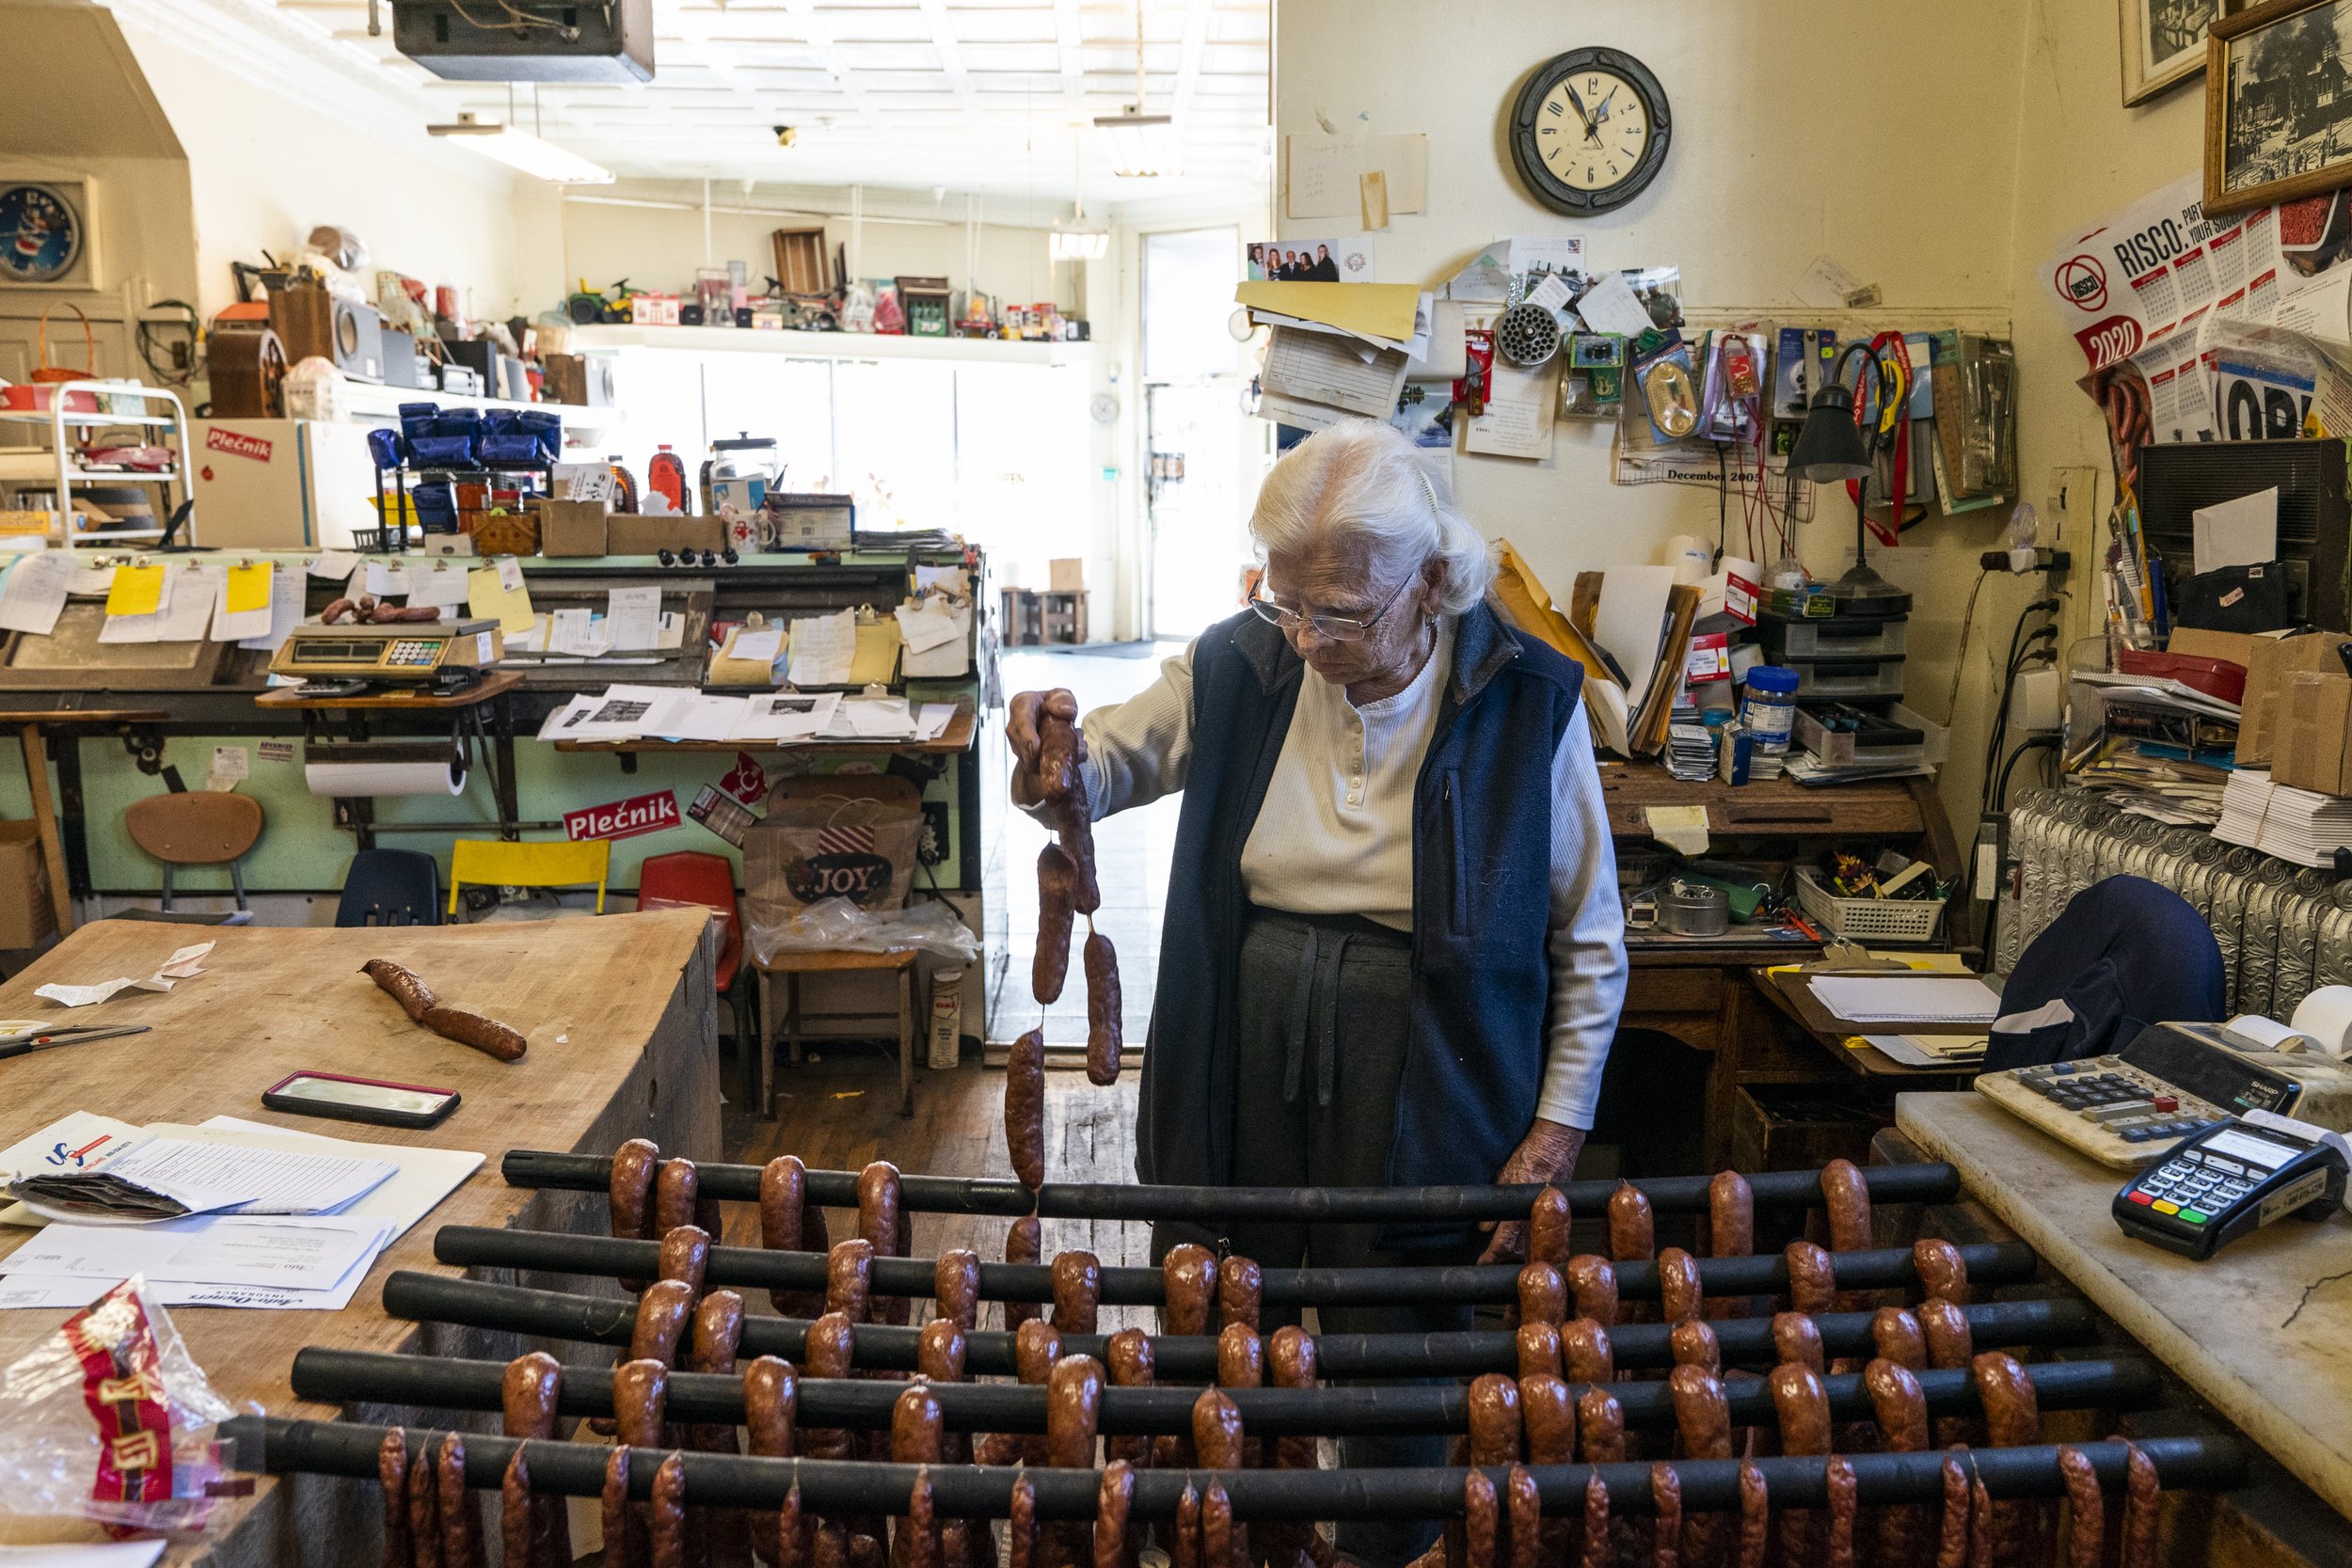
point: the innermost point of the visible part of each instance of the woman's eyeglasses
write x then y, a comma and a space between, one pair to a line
1336, 628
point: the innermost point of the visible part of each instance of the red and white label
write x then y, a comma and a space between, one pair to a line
639, 813
236, 443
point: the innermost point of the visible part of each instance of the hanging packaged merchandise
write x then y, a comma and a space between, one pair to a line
1669, 395
1594, 386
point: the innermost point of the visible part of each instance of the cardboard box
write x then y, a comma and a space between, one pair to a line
632, 534
26, 919
573, 527
2314, 742
2272, 662
2194, 643
1067, 576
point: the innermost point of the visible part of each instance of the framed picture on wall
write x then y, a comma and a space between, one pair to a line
2278, 103
2164, 43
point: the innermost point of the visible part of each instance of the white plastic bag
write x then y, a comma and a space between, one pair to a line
929, 925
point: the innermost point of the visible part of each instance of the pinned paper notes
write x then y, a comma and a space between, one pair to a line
35, 593
137, 590
489, 599
823, 647
243, 607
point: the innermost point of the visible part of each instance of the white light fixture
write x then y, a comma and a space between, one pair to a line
1142, 146
521, 149
1079, 242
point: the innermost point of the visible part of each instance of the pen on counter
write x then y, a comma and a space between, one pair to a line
51, 1039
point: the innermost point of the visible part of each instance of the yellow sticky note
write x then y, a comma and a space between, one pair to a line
249, 587
137, 590
1371, 187
489, 600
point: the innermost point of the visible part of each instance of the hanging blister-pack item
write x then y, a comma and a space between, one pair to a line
1733, 397
111, 1420
1670, 395
1594, 386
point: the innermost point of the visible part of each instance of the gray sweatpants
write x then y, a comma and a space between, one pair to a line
1325, 1007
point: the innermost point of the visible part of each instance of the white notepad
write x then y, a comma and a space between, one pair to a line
1909, 998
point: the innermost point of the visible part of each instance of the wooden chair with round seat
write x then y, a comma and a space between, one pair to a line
196, 828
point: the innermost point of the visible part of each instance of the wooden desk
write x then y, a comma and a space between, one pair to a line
1789, 992
621, 1015
30, 726
1700, 993
2260, 1331
480, 716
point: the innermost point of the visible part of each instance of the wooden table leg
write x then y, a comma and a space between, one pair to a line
45, 817
767, 1049
906, 1039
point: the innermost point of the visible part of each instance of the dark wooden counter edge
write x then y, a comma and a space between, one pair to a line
956, 738
2275, 1521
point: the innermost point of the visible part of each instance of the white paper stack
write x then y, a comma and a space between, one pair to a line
1907, 998
2297, 825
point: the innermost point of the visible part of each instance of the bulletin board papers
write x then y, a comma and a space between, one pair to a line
1323, 175
1315, 368
1389, 312
1519, 414
34, 593
823, 648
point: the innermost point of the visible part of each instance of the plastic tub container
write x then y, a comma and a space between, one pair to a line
1768, 710
1850, 677
1832, 639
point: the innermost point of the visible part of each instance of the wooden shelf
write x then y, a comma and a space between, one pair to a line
410, 699
833, 345
956, 738
1774, 808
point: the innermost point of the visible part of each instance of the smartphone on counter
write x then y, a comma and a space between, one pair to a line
370, 1099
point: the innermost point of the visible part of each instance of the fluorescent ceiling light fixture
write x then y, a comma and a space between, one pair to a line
1141, 145
521, 149
1079, 242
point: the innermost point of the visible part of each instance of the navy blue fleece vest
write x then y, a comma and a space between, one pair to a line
1482, 893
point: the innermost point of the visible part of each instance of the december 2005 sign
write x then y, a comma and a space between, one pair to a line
639, 813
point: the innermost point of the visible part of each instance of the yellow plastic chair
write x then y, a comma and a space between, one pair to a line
495, 862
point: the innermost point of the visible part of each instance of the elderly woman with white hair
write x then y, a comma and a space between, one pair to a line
1393, 953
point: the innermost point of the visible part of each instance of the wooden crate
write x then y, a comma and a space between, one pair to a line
1803, 1126
801, 267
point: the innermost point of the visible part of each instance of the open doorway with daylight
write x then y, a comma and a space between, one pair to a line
1203, 456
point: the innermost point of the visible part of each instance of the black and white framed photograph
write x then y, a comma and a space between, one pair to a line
2164, 43
2278, 103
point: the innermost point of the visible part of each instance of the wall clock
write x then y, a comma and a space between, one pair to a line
1590, 130
43, 232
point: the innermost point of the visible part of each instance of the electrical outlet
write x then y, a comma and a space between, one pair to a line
2073, 497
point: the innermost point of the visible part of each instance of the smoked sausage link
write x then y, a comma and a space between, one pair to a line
1240, 1287
1942, 1270
1548, 1230
1024, 1108
1543, 1294
1539, 1350
1188, 1278
404, 986
1105, 1023
1077, 1286
1846, 1198
1073, 1407
1812, 1279
1494, 1420
1057, 901
1549, 1418
1632, 1233
392, 1473
1678, 1285
1593, 1283
956, 1287
1584, 1345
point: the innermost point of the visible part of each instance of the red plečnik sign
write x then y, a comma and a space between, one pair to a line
639, 813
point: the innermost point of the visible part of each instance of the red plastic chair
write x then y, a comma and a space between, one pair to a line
690, 877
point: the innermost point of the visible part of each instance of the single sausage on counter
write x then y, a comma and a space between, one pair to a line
1024, 1108
2086, 1508
460, 1523
849, 1280
1216, 1435
1600, 1550
1022, 1239
486, 1034
1692, 1343
1600, 1427
1846, 1201
392, 1473
1494, 1419
1105, 1023
1665, 1492
1756, 1513
1479, 1519
665, 1515
621, 1524
1240, 1287
1115, 1495
1797, 1338
1548, 1413
1539, 1350
1057, 901
771, 1395
1633, 1233
2143, 1496
1188, 1279
1839, 1473
1951, 1550
408, 988
956, 1287
1548, 1230
1073, 1409
1897, 1337
1593, 1283
1078, 1287
1678, 1285
1543, 1294
1127, 1357
1702, 1413
1812, 1279
1585, 1349
684, 1255
1942, 1271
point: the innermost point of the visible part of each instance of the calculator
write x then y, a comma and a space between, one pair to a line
2234, 1177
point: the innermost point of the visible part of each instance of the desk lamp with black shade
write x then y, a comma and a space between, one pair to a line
1832, 446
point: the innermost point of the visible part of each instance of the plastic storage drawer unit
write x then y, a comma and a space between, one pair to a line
1818, 678
1849, 637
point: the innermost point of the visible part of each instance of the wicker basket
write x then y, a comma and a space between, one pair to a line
503, 533
1868, 919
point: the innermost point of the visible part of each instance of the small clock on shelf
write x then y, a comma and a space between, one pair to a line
44, 233
1590, 130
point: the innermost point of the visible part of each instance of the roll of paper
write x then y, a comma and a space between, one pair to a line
2326, 1016
1691, 556
386, 769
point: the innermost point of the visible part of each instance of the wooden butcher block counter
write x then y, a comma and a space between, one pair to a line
621, 1017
